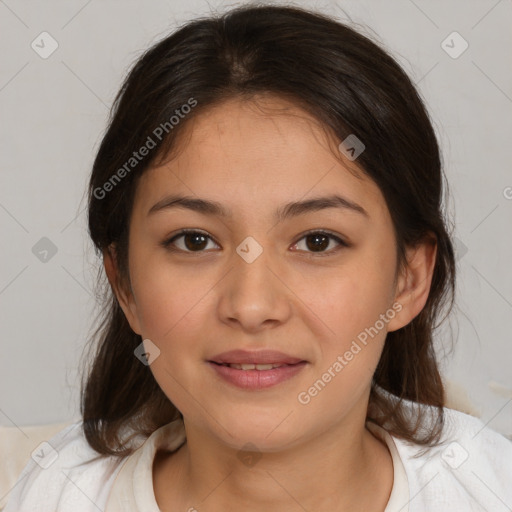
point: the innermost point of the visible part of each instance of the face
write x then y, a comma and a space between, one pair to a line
316, 284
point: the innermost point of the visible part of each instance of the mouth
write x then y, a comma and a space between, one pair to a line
259, 360
256, 369
250, 366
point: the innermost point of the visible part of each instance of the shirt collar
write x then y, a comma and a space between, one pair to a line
132, 489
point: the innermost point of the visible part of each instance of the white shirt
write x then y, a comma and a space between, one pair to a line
471, 471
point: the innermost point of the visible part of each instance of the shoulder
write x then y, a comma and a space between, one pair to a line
471, 467
64, 474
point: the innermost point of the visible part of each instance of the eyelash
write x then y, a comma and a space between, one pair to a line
167, 244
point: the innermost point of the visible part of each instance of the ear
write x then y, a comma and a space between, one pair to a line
413, 285
124, 296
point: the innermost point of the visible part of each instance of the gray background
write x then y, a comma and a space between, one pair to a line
54, 112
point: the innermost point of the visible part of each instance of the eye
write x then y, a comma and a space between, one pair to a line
317, 241
196, 241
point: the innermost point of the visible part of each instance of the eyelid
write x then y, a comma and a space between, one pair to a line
338, 238
167, 243
323, 232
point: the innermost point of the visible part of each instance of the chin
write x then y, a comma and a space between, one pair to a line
268, 433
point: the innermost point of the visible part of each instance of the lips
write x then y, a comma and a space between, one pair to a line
249, 366
260, 357
256, 370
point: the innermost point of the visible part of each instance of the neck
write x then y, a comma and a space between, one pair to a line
344, 469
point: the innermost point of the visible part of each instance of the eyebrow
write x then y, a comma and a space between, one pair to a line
293, 209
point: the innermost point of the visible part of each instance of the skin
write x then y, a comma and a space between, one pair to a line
319, 456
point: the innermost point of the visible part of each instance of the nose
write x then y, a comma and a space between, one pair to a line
253, 295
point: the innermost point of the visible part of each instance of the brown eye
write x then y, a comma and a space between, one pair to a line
193, 241
319, 241
196, 241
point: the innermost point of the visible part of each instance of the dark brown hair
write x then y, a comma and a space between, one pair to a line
351, 86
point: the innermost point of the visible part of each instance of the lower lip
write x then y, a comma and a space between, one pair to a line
257, 379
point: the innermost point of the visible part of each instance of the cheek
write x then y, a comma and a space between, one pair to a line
352, 304
172, 306
167, 298
353, 298
168, 306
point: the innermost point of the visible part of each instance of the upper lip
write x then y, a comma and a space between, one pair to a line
255, 357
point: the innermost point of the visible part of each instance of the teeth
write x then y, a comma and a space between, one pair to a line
254, 366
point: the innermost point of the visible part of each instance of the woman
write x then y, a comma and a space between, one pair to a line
267, 201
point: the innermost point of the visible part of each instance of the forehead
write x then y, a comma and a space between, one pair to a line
257, 154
